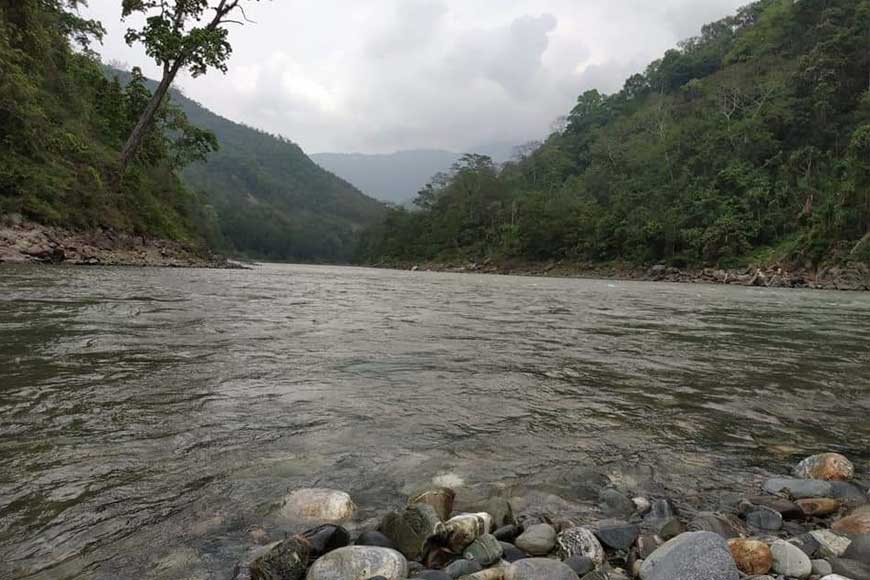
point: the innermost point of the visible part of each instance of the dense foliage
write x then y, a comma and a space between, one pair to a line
751, 141
62, 124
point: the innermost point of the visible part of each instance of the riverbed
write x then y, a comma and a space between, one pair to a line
149, 418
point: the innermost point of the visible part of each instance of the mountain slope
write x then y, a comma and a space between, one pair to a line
271, 200
748, 144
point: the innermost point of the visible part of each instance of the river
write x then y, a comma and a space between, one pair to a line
150, 417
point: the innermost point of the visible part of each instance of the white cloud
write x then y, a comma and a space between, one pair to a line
382, 75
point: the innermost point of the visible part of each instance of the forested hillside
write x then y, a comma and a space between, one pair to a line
750, 142
271, 200
62, 124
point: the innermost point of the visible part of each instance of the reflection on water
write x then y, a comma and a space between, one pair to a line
148, 418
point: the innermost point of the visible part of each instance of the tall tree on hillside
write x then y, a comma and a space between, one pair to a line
178, 34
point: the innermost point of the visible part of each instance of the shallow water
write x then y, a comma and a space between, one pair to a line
149, 417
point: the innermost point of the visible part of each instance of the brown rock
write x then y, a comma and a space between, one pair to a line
818, 507
827, 466
855, 524
752, 556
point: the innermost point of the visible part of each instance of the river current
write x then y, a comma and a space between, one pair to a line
149, 418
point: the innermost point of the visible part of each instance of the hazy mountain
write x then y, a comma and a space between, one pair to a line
397, 177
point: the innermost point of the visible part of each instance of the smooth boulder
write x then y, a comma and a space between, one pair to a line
539, 569
359, 563
537, 540
789, 560
752, 556
798, 488
616, 535
691, 556
825, 466
326, 506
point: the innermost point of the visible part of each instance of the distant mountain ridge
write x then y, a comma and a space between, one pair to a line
397, 177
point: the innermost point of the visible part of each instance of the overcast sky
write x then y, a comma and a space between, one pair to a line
382, 75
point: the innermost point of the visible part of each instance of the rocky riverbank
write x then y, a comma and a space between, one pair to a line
29, 243
813, 524
853, 276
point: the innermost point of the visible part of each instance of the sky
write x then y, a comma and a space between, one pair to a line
376, 76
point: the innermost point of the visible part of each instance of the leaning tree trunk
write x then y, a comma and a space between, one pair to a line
134, 142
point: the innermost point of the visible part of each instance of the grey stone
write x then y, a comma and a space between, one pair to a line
848, 493
798, 488
788, 509
764, 518
852, 569
580, 564
717, 523
507, 533
539, 569
375, 538
789, 560
463, 568
859, 549
359, 563
616, 535
511, 553
410, 528
434, 575
807, 544
485, 549
821, 567
537, 540
501, 511
691, 556
615, 504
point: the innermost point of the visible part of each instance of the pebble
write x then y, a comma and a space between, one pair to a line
691, 556
581, 541
325, 506
789, 560
825, 466
537, 540
359, 563
641, 505
798, 488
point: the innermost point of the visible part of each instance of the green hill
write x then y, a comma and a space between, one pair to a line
748, 143
271, 200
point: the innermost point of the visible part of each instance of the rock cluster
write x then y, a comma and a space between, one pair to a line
814, 526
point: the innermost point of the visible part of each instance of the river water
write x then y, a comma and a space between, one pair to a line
150, 417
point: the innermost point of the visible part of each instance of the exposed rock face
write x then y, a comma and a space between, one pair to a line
691, 556
359, 563
318, 505
825, 466
752, 556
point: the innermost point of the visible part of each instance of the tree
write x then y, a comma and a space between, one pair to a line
173, 35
